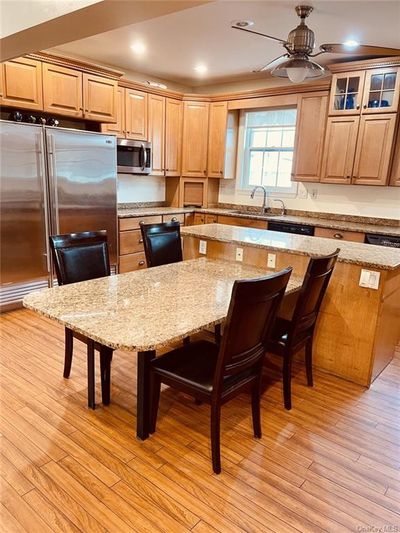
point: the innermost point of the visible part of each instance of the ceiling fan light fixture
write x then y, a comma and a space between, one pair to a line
297, 69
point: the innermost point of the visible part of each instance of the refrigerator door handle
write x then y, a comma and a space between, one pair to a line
52, 183
40, 164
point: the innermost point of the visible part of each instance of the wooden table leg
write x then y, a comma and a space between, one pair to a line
143, 394
106, 354
90, 375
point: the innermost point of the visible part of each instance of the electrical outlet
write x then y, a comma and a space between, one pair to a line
314, 193
239, 254
271, 260
369, 279
203, 247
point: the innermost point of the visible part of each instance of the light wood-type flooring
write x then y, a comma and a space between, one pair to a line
330, 464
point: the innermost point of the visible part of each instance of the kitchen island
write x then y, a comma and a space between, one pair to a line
359, 326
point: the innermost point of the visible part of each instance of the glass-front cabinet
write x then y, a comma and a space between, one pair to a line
370, 91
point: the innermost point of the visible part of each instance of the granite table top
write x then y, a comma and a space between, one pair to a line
367, 255
150, 308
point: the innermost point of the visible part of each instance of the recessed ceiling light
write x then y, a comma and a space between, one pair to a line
351, 43
201, 68
138, 48
242, 23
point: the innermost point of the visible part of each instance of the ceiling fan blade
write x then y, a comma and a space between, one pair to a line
258, 33
361, 49
272, 64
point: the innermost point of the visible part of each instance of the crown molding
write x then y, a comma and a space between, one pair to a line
76, 64
365, 64
140, 86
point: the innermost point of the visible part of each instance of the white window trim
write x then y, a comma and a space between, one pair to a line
240, 186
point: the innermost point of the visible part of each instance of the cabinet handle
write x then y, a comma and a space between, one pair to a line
338, 236
141, 222
348, 177
167, 170
205, 172
141, 263
358, 106
140, 241
365, 106
174, 219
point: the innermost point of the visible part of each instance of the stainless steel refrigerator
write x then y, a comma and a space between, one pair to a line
53, 181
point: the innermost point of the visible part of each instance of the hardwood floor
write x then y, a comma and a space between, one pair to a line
330, 464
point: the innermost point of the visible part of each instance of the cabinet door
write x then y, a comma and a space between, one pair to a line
119, 127
22, 84
99, 98
173, 137
62, 90
339, 149
395, 173
136, 115
310, 133
346, 93
195, 138
374, 148
217, 139
381, 92
157, 132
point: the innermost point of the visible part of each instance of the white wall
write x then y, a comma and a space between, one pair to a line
132, 188
381, 202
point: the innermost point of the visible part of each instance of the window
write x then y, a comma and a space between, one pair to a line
265, 154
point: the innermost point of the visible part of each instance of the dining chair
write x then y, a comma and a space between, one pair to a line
295, 324
80, 257
215, 374
162, 243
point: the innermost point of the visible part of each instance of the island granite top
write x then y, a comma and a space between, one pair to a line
150, 308
367, 255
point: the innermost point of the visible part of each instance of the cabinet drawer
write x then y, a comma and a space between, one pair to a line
246, 222
339, 235
130, 262
134, 222
198, 218
174, 218
130, 242
211, 219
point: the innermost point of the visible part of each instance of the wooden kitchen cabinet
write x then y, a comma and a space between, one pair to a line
217, 139
62, 90
381, 90
346, 93
339, 235
99, 98
136, 114
195, 139
118, 128
374, 147
173, 136
395, 172
22, 84
156, 132
339, 149
310, 132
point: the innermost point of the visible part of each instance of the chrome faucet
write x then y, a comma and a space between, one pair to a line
264, 207
283, 212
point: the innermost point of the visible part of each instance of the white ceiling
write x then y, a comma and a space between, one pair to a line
177, 42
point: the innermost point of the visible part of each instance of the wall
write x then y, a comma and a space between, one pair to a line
133, 188
382, 202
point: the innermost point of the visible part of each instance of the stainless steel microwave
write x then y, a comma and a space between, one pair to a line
133, 157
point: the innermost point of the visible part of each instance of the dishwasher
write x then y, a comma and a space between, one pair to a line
382, 240
287, 227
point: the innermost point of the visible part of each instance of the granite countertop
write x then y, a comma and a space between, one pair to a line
331, 223
367, 255
150, 308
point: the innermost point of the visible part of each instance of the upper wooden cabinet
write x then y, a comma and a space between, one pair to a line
381, 90
374, 146
365, 91
118, 127
136, 114
217, 139
310, 131
157, 133
173, 136
346, 93
99, 98
395, 173
195, 139
22, 84
339, 150
62, 90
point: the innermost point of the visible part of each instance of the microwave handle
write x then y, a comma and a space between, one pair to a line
144, 157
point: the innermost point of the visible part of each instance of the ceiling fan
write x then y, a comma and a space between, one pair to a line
296, 64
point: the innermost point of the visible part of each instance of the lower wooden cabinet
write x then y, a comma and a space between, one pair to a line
339, 235
130, 262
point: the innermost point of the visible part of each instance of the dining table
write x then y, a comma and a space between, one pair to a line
145, 310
